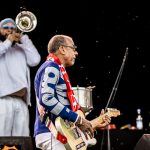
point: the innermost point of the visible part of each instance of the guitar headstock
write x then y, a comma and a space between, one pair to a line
113, 112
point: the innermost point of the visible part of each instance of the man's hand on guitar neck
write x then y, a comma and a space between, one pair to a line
85, 126
105, 118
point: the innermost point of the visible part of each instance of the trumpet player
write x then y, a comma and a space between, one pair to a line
17, 55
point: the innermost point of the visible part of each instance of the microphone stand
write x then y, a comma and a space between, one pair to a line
112, 96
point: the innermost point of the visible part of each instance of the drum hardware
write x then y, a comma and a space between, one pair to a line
84, 98
91, 87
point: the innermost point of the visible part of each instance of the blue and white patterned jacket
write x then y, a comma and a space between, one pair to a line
51, 90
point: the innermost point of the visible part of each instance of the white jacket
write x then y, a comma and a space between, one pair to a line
14, 66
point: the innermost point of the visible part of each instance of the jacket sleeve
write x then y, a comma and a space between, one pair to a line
49, 98
32, 55
4, 46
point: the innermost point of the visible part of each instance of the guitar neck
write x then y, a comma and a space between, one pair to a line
97, 121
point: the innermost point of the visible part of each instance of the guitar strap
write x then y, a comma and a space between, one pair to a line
49, 123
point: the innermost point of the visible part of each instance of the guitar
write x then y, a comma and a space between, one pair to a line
75, 138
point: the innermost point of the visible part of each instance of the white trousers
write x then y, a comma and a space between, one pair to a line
46, 141
14, 117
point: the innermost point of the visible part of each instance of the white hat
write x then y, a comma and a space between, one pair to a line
7, 20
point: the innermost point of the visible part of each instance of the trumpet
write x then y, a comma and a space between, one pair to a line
26, 21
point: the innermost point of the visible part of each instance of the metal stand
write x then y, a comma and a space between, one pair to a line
112, 96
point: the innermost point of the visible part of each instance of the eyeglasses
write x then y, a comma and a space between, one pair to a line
7, 27
72, 47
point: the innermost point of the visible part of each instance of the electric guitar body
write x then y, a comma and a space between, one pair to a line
75, 138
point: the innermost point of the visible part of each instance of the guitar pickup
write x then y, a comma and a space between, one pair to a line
79, 146
76, 133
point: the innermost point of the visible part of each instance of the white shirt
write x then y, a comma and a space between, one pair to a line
14, 66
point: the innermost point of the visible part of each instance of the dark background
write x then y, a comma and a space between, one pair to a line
102, 34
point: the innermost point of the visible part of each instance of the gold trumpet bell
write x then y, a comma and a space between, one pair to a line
26, 21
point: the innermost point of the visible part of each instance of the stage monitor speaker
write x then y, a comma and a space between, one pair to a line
143, 143
16, 143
